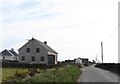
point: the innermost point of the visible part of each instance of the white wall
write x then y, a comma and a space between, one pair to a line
78, 61
7, 57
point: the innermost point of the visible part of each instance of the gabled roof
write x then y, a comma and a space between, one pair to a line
42, 44
8, 53
13, 52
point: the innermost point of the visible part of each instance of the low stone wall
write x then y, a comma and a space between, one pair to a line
15, 64
114, 67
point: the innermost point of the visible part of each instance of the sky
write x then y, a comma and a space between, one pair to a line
73, 28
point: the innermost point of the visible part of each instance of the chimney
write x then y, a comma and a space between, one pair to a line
45, 42
32, 38
12, 49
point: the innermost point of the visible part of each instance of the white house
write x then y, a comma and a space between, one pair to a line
37, 52
78, 61
8, 55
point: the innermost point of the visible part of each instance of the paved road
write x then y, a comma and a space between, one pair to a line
92, 74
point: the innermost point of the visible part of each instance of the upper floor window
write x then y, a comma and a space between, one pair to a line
37, 50
23, 58
42, 58
28, 50
32, 58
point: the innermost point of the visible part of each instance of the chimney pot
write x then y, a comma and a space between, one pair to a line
45, 42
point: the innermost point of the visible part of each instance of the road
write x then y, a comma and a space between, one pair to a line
92, 74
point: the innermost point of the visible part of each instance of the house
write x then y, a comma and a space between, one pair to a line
78, 61
85, 61
37, 52
8, 55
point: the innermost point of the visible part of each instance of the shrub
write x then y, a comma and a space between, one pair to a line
33, 71
20, 74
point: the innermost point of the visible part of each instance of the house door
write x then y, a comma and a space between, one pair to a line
51, 59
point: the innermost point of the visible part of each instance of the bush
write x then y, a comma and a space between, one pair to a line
80, 65
20, 74
33, 71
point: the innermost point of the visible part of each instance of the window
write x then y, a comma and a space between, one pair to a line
32, 58
3, 57
28, 50
23, 58
37, 50
42, 58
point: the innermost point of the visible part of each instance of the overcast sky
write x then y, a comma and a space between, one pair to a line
73, 28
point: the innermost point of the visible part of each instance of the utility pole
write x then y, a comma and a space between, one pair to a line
102, 51
96, 59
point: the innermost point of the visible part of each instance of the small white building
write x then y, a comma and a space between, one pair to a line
37, 52
78, 61
8, 55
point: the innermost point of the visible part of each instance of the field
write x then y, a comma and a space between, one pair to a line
10, 72
67, 73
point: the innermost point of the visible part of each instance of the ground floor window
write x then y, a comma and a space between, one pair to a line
32, 58
42, 58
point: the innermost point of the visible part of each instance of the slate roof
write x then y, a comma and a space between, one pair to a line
42, 44
8, 53
13, 52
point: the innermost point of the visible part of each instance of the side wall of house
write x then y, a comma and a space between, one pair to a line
28, 56
7, 57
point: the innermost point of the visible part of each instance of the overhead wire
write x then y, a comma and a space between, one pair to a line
112, 33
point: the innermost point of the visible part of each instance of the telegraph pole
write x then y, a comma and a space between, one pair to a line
96, 59
102, 51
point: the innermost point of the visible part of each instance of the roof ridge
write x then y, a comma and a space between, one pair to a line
46, 46
10, 52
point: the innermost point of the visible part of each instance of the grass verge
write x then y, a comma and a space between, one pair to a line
66, 73
69, 73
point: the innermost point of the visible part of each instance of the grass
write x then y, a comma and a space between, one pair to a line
63, 74
10, 72
66, 73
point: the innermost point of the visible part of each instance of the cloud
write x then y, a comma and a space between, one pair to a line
34, 9
11, 2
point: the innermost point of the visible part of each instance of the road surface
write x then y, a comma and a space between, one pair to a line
92, 74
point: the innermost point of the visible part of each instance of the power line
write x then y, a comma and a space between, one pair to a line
111, 34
